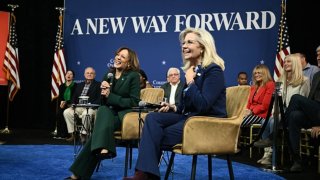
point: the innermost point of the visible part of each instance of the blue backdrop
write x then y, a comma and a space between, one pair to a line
245, 32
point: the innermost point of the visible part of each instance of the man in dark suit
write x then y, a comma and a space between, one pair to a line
89, 87
303, 112
173, 88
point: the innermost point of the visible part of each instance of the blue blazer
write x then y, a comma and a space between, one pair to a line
207, 95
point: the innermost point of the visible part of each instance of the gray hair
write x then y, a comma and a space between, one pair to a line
171, 69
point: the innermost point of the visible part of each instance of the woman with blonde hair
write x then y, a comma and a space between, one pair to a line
260, 96
205, 95
292, 82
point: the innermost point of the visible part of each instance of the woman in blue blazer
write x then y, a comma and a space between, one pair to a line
204, 95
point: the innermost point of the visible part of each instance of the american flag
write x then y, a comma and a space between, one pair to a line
59, 64
283, 48
11, 60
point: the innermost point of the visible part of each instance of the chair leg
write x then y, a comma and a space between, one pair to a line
126, 161
250, 140
319, 159
230, 167
130, 158
169, 165
194, 167
98, 165
210, 167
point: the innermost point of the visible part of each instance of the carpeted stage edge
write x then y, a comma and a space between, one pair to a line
51, 162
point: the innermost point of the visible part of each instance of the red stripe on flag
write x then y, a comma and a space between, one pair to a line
11, 60
59, 69
283, 48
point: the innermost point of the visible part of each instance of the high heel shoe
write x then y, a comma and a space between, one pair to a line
103, 156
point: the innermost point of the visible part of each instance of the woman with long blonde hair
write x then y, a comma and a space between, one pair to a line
292, 82
260, 96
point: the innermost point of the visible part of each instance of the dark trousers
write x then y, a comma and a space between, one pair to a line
301, 113
62, 130
102, 137
160, 129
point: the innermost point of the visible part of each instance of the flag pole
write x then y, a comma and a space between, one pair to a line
60, 9
6, 129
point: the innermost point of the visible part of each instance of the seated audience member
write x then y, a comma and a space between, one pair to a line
318, 55
122, 93
303, 112
173, 88
89, 87
144, 83
259, 97
66, 91
308, 69
242, 78
205, 95
292, 82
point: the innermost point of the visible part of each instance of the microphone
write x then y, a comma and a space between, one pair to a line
110, 78
149, 105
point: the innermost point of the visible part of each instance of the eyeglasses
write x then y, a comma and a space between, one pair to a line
188, 42
171, 75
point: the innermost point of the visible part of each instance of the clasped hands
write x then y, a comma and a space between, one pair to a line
166, 107
105, 88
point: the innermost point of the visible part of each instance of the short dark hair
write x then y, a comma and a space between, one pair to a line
72, 72
242, 72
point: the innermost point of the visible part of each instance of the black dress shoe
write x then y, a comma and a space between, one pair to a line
103, 156
262, 143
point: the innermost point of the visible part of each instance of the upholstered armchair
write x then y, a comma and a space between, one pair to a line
213, 136
130, 130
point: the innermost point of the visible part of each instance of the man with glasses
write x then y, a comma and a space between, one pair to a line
173, 88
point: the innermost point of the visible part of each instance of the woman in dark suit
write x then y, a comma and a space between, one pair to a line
120, 93
260, 96
205, 95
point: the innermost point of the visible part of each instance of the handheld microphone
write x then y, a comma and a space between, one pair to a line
110, 78
149, 105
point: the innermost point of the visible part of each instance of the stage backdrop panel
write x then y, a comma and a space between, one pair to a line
4, 29
245, 32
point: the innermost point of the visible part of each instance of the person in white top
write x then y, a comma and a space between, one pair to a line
293, 82
173, 88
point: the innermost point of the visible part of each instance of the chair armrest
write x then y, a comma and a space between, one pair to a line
211, 135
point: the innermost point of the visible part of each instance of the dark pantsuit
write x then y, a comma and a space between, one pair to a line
102, 137
62, 130
301, 113
161, 129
